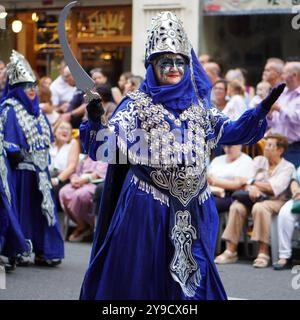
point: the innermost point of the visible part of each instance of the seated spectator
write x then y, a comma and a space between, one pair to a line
286, 224
132, 84
236, 105
273, 71
99, 76
76, 109
225, 173
62, 90
64, 155
46, 101
118, 92
76, 198
220, 94
106, 96
262, 90
267, 192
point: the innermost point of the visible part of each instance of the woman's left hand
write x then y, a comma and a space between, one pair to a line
268, 102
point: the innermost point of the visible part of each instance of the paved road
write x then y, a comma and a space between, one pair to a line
241, 280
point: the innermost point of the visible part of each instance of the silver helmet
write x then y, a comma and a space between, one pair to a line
166, 34
19, 70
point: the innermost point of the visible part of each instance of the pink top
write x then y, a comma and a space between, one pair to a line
87, 165
287, 120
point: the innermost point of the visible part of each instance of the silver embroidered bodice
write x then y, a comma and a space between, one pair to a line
175, 147
3, 167
38, 142
36, 157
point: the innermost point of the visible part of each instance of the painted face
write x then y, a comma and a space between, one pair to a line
169, 68
31, 90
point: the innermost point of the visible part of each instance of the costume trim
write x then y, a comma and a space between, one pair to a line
183, 263
157, 195
3, 168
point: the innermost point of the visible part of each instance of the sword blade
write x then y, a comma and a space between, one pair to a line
82, 79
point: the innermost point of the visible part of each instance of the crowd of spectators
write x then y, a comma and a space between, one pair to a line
255, 190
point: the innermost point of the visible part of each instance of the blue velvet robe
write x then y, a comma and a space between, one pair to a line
132, 250
27, 198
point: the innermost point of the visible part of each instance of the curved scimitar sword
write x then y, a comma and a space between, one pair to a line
83, 81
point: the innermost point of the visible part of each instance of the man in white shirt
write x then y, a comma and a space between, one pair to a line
62, 90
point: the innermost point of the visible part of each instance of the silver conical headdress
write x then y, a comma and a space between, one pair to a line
19, 70
166, 34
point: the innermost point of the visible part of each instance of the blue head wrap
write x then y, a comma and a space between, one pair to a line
17, 92
181, 95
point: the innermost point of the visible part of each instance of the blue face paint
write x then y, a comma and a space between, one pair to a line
169, 69
165, 64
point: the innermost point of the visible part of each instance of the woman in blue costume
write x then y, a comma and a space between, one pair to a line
12, 241
27, 137
156, 233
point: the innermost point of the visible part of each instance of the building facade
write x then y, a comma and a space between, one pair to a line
111, 34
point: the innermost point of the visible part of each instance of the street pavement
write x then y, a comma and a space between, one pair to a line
241, 280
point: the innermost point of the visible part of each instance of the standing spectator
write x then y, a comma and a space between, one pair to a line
273, 71
220, 93
62, 90
268, 191
76, 197
284, 117
262, 90
286, 225
213, 71
236, 104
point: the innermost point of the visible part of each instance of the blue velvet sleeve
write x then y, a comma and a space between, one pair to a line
100, 141
248, 129
88, 133
14, 138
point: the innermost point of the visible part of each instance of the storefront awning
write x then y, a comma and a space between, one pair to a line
248, 7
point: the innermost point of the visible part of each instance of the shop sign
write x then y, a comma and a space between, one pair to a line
249, 6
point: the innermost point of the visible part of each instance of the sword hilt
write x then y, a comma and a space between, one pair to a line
91, 95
